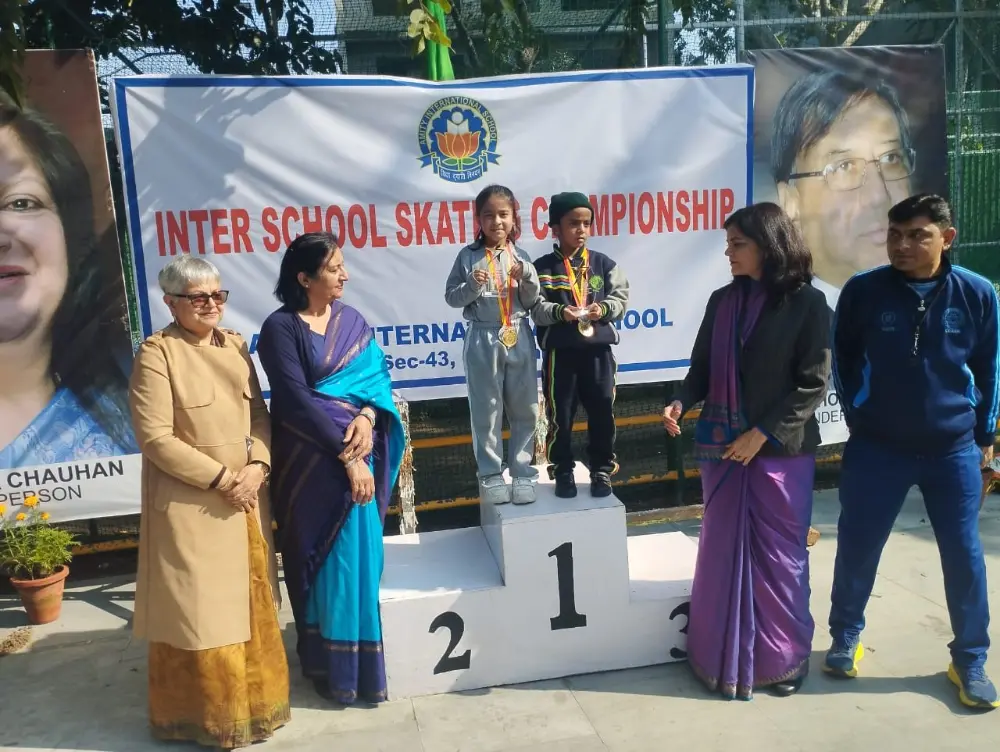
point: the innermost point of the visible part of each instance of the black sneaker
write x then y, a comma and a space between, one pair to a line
600, 485
565, 486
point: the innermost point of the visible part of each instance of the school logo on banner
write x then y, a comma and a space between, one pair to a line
458, 139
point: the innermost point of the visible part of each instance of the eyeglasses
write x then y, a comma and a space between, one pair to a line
200, 299
851, 174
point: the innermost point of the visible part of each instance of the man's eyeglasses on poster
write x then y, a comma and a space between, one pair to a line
852, 173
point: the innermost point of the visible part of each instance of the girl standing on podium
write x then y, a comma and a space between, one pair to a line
496, 286
761, 362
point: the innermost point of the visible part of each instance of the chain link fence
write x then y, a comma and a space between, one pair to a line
542, 35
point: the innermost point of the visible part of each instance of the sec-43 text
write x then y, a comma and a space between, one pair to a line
439, 359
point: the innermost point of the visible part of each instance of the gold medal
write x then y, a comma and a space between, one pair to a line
505, 296
508, 336
586, 328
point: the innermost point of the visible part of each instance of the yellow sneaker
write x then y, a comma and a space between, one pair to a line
842, 659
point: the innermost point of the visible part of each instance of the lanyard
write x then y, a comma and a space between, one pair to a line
579, 290
505, 293
923, 309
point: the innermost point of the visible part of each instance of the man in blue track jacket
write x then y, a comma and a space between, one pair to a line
915, 363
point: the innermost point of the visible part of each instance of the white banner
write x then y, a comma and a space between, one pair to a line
81, 490
234, 168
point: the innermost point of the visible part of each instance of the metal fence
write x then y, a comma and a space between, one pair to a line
539, 35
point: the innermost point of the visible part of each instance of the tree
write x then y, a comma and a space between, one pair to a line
832, 23
11, 48
263, 37
506, 42
511, 43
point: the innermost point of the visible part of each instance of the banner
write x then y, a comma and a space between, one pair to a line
65, 349
840, 136
234, 168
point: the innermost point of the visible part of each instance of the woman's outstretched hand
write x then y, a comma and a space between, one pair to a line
672, 418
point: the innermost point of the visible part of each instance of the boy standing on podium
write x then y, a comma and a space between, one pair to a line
584, 293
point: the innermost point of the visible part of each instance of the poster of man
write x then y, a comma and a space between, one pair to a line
840, 136
65, 347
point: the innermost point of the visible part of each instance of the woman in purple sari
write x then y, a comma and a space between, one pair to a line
761, 362
336, 447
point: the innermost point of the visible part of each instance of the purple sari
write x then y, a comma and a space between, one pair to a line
750, 624
318, 386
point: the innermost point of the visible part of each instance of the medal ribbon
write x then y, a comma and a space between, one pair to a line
579, 290
505, 294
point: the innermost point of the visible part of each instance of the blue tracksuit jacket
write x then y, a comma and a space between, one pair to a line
922, 381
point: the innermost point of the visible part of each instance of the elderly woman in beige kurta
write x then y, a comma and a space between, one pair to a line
207, 590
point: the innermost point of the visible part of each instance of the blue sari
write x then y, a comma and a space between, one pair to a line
331, 547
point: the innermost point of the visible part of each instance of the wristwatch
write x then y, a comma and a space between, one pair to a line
263, 466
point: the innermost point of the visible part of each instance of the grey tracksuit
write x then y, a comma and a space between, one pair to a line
499, 379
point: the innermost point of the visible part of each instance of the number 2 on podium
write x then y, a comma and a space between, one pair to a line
455, 625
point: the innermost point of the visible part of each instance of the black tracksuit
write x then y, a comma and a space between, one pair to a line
578, 369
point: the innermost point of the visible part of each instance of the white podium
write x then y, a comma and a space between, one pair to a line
540, 591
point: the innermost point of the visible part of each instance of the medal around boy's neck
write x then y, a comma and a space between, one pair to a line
569, 252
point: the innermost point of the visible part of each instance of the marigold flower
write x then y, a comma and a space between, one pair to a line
21, 517
45, 515
31, 502
3, 509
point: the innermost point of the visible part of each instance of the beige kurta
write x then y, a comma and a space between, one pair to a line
196, 409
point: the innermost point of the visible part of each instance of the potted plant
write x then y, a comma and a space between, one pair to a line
35, 555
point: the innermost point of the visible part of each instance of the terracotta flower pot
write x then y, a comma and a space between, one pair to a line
42, 599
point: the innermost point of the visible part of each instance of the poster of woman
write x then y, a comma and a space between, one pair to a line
65, 347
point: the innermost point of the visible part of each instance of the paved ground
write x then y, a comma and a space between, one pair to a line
81, 685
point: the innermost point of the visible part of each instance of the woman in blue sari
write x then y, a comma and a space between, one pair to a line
337, 444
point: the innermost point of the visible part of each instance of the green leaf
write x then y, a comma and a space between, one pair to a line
437, 35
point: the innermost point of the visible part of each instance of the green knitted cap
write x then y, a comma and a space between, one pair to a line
563, 203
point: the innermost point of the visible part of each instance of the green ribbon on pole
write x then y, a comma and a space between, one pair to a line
438, 56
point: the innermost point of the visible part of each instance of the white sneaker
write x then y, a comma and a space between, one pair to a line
494, 490
523, 491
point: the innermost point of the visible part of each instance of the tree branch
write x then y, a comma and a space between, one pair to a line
462, 32
874, 7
